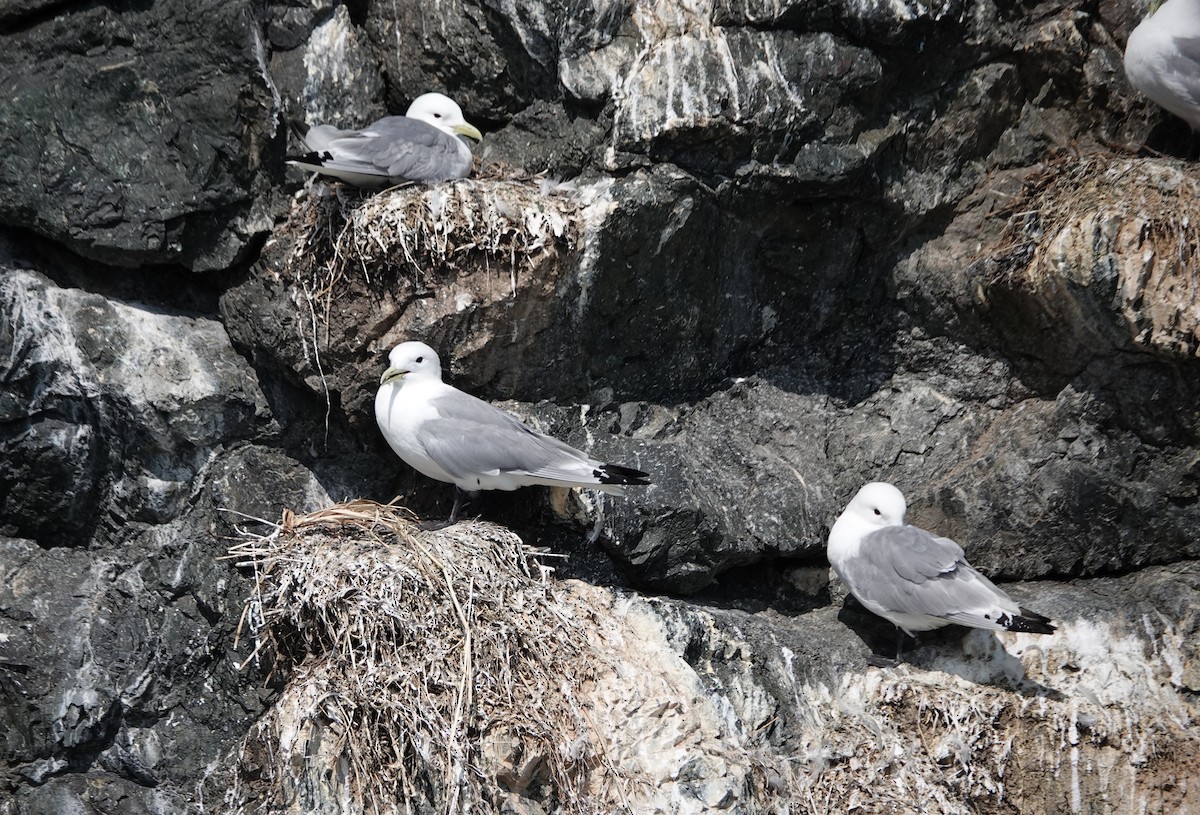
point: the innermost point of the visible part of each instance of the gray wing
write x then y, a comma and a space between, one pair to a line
472, 437
1180, 76
318, 137
1165, 65
907, 570
395, 146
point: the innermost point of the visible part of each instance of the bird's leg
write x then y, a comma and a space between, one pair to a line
459, 495
877, 661
459, 492
598, 527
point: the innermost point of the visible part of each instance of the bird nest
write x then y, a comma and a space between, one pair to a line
425, 671
420, 234
1117, 237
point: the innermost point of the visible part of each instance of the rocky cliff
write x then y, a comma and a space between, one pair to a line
764, 251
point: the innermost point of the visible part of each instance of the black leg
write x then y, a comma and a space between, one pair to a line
875, 660
461, 496
458, 502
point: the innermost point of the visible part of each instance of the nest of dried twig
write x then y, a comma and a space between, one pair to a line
1118, 238
428, 671
420, 234
1070, 190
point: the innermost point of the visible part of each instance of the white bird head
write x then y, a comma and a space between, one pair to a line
878, 504
443, 113
415, 360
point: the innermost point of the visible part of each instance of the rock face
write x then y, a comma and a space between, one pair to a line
764, 251
674, 708
131, 150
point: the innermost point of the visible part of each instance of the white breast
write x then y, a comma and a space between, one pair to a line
400, 410
845, 541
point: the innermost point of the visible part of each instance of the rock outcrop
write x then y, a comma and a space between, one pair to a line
535, 695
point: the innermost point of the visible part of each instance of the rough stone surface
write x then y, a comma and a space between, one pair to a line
799, 246
111, 409
122, 682
124, 145
701, 710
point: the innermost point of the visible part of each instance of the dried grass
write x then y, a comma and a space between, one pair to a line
421, 234
428, 671
1070, 189
1101, 250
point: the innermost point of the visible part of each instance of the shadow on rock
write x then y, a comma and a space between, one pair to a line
975, 655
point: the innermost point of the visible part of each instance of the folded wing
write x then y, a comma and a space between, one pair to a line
470, 437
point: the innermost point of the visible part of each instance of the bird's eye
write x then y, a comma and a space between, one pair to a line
877, 512
422, 359
437, 115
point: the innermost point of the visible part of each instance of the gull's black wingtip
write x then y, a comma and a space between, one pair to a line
1030, 622
616, 474
318, 159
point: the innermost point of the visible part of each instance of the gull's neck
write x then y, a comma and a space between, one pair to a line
846, 537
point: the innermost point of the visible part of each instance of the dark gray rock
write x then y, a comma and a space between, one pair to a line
96, 792
1031, 486
546, 137
322, 65
110, 409
123, 669
136, 136
493, 58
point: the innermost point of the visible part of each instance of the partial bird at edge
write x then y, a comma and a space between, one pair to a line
1162, 58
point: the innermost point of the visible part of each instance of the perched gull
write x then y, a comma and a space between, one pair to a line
422, 145
913, 578
451, 436
1162, 58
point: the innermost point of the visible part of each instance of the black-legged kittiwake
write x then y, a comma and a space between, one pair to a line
422, 145
1162, 58
452, 436
913, 578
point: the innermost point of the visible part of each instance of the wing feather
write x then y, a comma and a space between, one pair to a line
395, 147
906, 570
469, 436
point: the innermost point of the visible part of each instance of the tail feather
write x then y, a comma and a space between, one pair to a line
616, 474
310, 158
1029, 622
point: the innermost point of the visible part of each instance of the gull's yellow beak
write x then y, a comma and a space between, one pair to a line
391, 375
469, 130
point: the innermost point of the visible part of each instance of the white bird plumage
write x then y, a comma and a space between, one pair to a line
1162, 58
452, 436
422, 145
913, 578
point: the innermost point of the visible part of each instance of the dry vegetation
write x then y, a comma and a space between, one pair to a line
427, 671
420, 235
449, 672
1120, 236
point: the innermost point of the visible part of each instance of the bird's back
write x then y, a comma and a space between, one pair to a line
392, 150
